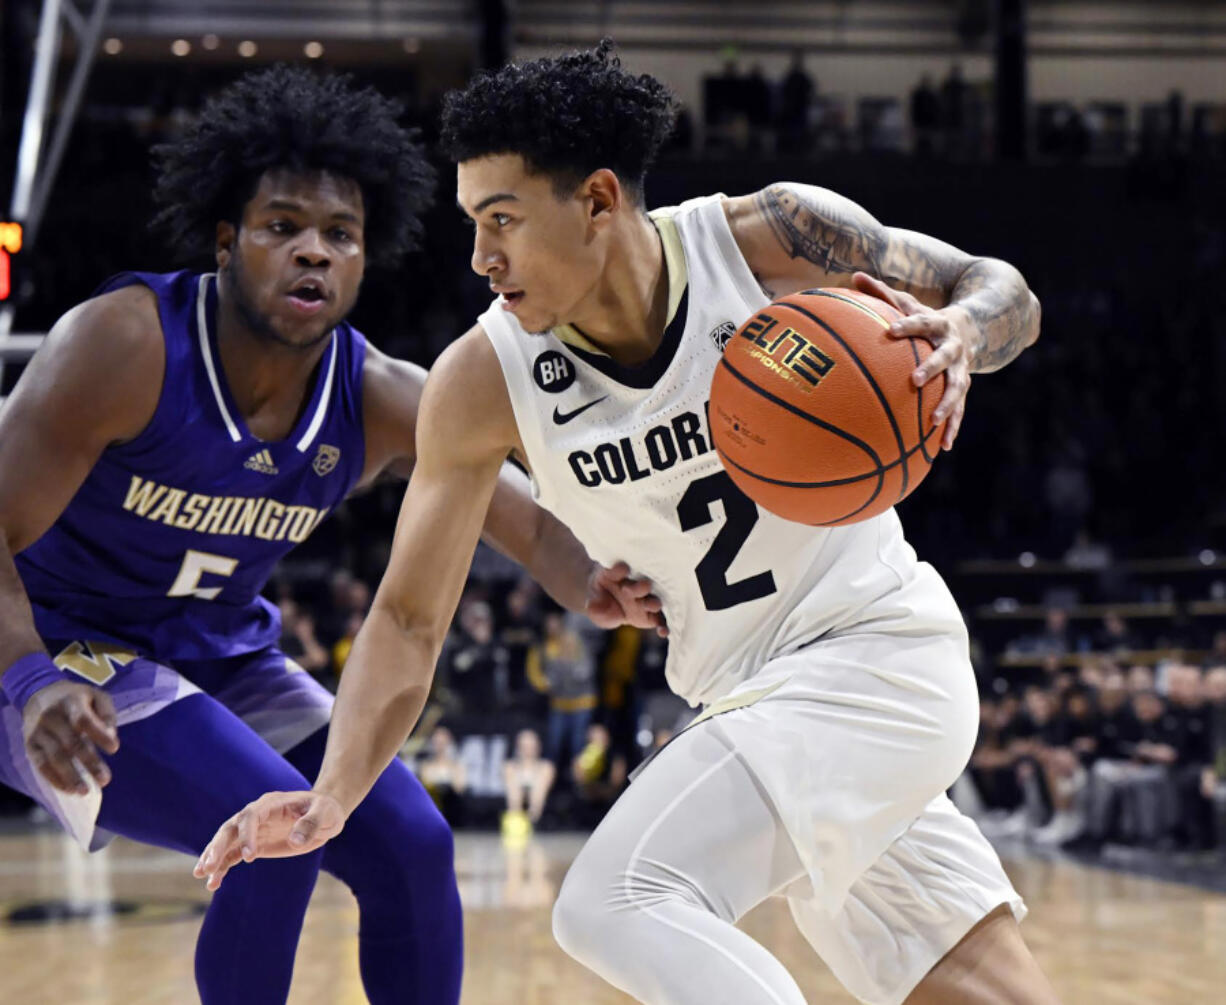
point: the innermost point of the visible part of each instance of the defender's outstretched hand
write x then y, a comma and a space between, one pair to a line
615, 598
952, 333
277, 825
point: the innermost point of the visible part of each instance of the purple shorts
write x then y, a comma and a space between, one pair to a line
266, 689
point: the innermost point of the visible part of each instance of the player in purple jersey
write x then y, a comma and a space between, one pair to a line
172, 439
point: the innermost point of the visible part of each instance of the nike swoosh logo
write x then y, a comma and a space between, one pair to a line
562, 418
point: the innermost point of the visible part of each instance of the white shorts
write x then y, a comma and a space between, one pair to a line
855, 744
822, 780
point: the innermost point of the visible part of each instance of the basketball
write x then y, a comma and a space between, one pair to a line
814, 412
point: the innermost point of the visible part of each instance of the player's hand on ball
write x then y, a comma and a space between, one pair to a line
952, 334
277, 825
64, 725
616, 598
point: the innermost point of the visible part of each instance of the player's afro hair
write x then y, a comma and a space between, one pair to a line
292, 118
567, 116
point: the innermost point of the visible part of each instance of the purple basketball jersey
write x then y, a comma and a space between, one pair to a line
168, 542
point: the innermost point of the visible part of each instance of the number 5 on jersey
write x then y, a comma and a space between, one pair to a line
195, 565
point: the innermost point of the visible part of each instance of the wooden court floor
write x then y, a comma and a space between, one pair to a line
1103, 937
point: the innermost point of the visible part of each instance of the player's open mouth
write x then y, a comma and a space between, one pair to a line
511, 300
308, 296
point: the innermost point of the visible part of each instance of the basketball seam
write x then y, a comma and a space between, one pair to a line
875, 473
851, 301
881, 398
825, 523
855, 440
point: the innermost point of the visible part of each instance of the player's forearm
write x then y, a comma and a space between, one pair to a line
1003, 309
18, 636
561, 564
383, 691
529, 535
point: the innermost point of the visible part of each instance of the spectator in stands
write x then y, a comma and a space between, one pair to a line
724, 109
599, 774
796, 92
1090, 673
443, 774
1217, 654
682, 138
1140, 678
993, 765
348, 596
1134, 798
660, 738
618, 693
298, 640
335, 613
1114, 636
1086, 553
953, 110
528, 777
1036, 730
1055, 639
925, 116
1186, 698
1114, 715
474, 663
519, 632
1065, 767
344, 645
1213, 777
563, 667
757, 102
1069, 495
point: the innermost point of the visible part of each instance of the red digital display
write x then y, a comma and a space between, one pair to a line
10, 244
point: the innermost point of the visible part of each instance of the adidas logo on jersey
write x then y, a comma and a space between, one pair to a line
261, 461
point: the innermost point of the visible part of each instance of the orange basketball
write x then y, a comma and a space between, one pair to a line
814, 412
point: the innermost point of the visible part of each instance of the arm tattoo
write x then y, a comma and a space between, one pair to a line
840, 238
999, 302
826, 235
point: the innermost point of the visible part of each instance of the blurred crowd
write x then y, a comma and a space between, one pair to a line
1088, 736
534, 713
1105, 754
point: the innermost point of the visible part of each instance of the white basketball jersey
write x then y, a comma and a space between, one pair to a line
623, 457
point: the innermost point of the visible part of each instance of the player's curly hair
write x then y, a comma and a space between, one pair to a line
567, 116
290, 117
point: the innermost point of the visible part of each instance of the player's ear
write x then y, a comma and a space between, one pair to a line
604, 195
227, 234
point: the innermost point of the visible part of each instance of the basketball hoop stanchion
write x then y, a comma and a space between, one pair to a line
35, 175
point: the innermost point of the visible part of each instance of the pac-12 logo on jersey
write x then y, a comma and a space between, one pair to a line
325, 459
721, 333
553, 372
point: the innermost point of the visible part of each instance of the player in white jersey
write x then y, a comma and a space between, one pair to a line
839, 699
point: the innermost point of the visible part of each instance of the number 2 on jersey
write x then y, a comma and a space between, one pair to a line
740, 514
